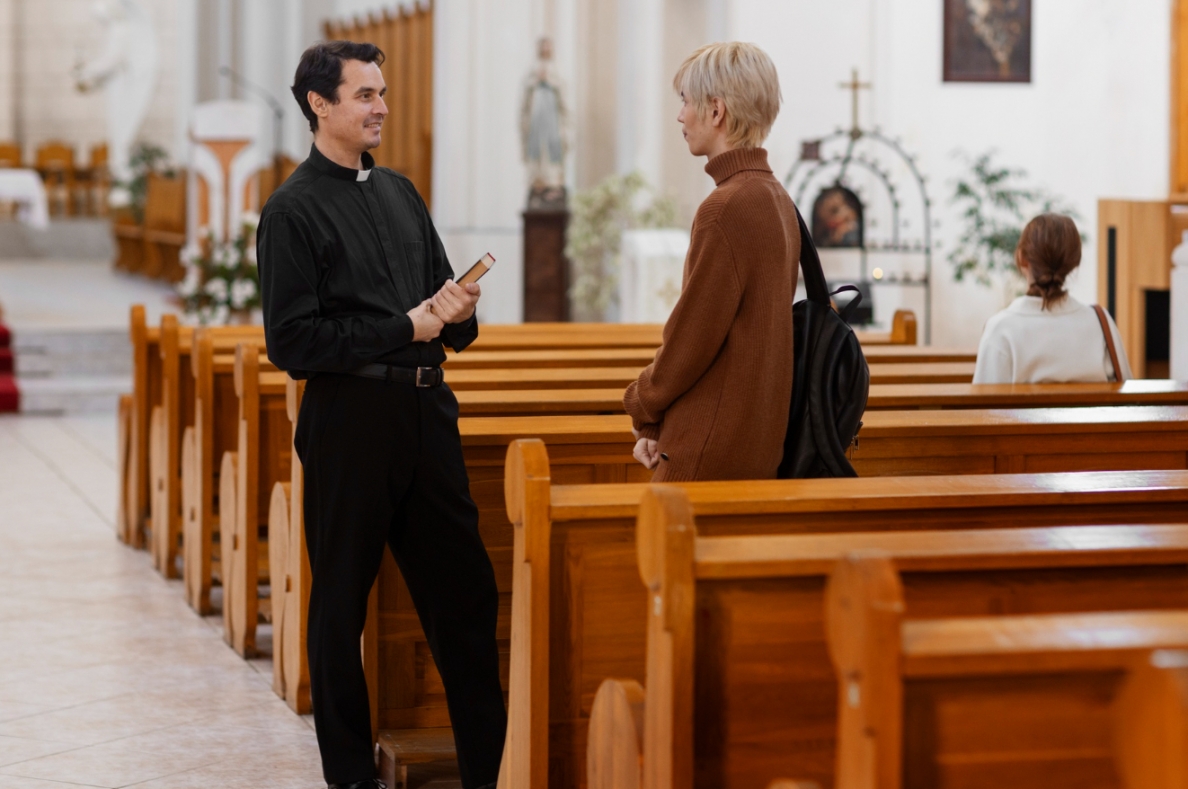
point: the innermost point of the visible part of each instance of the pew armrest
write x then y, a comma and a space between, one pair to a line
614, 748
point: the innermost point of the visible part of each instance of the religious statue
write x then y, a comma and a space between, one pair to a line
543, 127
127, 72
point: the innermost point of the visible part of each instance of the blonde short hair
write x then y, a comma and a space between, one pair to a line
744, 78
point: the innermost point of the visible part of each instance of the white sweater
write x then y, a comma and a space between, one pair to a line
1026, 344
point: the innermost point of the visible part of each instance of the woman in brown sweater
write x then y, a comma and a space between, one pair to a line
714, 402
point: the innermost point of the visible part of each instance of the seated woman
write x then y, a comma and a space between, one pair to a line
714, 403
1048, 336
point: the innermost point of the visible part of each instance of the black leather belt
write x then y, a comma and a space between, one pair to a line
422, 377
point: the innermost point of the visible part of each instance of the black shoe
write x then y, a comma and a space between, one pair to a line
370, 783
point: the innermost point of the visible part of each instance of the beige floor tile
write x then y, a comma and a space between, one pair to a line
19, 782
108, 678
14, 749
108, 765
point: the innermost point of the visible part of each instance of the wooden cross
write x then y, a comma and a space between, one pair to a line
854, 85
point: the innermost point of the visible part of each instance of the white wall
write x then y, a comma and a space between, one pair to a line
1093, 122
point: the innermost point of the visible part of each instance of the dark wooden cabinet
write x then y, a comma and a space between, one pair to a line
546, 271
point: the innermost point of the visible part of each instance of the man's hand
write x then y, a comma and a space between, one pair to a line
647, 452
426, 325
454, 303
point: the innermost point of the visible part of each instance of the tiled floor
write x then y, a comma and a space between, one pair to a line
76, 294
107, 678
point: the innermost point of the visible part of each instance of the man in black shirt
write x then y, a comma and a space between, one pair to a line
358, 298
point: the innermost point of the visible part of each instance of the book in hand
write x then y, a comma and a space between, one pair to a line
476, 272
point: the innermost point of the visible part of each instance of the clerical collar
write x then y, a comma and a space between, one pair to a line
334, 170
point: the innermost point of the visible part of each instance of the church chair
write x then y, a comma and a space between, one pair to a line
11, 155
55, 162
739, 687
98, 181
1032, 700
578, 608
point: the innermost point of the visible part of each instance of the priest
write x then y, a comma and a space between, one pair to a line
359, 298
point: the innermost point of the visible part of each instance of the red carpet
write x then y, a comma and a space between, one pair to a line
10, 396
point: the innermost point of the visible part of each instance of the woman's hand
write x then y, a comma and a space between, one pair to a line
647, 452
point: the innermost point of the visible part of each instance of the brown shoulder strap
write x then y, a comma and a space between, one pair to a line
1109, 340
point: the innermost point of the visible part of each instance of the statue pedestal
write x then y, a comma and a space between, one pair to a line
546, 271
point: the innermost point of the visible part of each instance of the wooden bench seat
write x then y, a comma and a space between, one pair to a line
1075, 699
462, 380
883, 397
579, 609
739, 683
513, 337
899, 443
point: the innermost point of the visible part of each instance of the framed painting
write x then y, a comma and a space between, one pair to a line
987, 41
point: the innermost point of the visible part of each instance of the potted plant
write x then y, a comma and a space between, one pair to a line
594, 239
222, 282
995, 205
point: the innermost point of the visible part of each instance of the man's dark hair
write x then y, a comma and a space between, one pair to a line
320, 70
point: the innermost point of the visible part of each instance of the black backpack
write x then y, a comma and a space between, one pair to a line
830, 378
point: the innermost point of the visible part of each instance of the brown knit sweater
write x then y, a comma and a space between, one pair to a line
716, 396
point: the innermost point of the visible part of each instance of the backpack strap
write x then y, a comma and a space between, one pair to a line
810, 264
1109, 340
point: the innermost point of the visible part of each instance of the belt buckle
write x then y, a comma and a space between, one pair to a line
420, 384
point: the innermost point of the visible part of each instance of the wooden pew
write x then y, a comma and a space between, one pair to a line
643, 356
883, 397
902, 443
620, 377
246, 481
735, 639
1021, 701
579, 610
288, 565
512, 337
168, 423
164, 227
214, 430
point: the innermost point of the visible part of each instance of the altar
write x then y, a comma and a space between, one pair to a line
25, 188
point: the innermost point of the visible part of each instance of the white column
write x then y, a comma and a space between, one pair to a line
641, 87
8, 93
482, 50
224, 46
1179, 311
187, 77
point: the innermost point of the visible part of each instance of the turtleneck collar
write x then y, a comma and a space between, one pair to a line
335, 170
735, 161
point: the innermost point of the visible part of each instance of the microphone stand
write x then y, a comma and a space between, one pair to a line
278, 118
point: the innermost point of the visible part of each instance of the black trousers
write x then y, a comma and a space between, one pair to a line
383, 465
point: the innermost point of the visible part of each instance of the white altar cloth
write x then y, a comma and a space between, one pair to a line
24, 187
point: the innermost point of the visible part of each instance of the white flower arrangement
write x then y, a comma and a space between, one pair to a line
221, 278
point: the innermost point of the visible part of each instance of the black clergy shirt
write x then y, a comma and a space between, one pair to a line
342, 261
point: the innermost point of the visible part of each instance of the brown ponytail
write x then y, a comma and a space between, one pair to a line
1051, 247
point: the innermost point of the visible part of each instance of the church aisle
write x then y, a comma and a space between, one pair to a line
107, 678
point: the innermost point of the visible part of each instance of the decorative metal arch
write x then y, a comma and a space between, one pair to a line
806, 172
